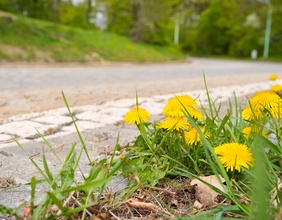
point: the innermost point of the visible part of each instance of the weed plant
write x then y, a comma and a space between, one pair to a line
241, 147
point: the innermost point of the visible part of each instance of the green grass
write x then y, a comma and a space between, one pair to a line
160, 164
25, 39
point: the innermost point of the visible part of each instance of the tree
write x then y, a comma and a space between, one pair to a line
216, 27
275, 47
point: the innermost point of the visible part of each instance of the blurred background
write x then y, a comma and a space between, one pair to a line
139, 30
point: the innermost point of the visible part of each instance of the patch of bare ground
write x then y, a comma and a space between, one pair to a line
41, 55
95, 57
13, 51
169, 199
17, 52
7, 15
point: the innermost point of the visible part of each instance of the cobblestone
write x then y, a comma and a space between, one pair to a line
108, 113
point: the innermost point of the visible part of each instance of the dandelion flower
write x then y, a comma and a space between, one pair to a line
177, 123
276, 88
193, 137
195, 113
265, 100
234, 156
121, 156
247, 132
176, 106
251, 114
273, 76
136, 114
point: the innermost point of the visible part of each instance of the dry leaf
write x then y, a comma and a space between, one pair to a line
142, 205
198, 205
26, 212
101, 216
204, 194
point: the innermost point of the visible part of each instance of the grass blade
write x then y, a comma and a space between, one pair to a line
77, 130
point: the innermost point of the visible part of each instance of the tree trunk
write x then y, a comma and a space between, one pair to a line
88, 10
137, 17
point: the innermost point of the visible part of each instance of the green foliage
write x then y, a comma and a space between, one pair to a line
28, 39
253, 193
216, 27
139, 20
206, 27
276, 32
7, 211
73, 16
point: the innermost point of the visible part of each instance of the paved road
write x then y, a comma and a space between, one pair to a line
26, 89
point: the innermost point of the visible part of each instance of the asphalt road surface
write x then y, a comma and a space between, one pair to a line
33, 88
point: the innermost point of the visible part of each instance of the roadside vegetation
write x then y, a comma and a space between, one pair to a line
198, 163
26, 39
230, 28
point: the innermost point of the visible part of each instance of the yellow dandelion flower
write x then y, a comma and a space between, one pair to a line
247, 132
251, 114
136, 114
175, 106
195, 113
273, 76
176, 123
121, 156
265, 100
234, 156
276, 88
193, 137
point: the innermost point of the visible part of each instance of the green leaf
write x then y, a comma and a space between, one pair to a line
77, 130
32, 194
88, 185
223, 122
57, 201
67, 172
226, 209
48, 173
95, 170
8, 211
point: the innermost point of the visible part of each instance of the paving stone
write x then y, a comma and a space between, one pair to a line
196, 93
59, 111
31, 147
93, 108
98, 117
57, 134
25, 117
12, 143
163, 98
126, 103
115, 112
154, 107
122, 103
82, 125
5, 137
23, 128
53, 119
